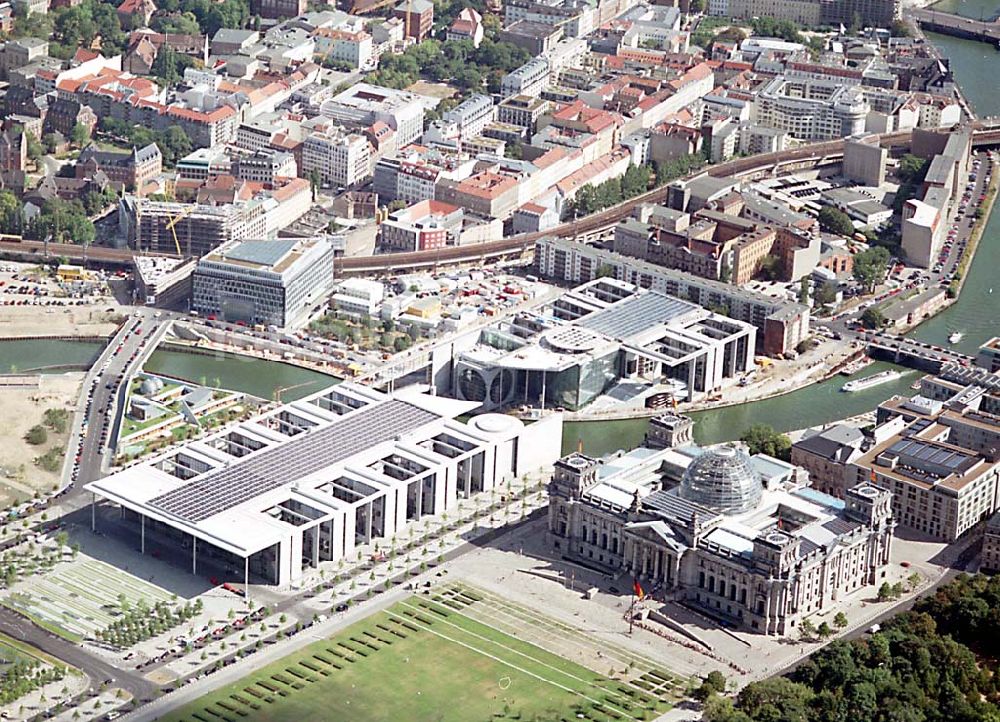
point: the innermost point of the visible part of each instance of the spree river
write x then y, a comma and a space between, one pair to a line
975, 315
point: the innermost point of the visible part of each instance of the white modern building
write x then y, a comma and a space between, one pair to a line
358, 296
363, 104
604, 332
340, 159
811, 109
264, 282
315, 479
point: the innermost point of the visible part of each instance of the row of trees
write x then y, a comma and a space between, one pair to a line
141, 622
921, 667
636, 181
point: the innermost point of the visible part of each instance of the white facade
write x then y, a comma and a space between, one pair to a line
358, 296
345, 467
344, 160
362, 104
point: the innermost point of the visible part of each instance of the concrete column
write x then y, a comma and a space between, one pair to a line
93, 512
315, 549
142, 533
542, 398
246, 578
368, 525
194, 555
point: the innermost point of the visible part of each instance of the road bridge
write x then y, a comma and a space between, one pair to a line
986, 30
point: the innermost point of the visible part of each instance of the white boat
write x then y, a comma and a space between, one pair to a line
869, 381
955, 337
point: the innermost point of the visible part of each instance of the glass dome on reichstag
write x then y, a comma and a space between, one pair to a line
722, 479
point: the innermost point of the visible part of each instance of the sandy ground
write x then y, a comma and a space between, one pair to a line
23, 408
75, 321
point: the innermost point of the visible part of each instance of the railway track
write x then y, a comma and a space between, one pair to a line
502, 246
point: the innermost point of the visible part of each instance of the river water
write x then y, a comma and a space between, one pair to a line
975, 9
975, 315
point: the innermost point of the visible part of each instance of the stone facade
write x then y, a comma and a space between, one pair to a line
811, 553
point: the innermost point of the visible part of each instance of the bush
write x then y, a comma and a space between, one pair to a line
37, 435
56, 419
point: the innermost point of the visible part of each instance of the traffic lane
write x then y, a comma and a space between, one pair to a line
97, 669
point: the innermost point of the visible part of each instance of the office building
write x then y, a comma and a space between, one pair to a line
600, 334
781, 325
319, 478
264, 166
362, 105
271, 283
744, 540
162, 281
340, 159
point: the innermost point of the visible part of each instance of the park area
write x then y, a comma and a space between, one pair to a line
426, 660
82, 598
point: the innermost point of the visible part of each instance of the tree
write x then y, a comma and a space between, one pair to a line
770, 268
884, 592
804, 290
807, 630
870, 267
35, 149
836, 221
714, 683
824, 630
873, 318
80, 135
825, 294
840, 620
763, 439
36, 436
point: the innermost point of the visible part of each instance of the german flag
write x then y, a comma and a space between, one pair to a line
637, 590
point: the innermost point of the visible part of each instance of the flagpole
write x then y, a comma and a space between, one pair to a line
631, 616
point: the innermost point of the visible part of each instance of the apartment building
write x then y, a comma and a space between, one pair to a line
471, 115
809, 109
413, 174
530, 79
423, 226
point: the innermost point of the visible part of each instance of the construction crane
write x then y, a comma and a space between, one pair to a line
172, 224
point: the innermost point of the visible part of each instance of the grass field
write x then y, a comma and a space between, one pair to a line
424, 661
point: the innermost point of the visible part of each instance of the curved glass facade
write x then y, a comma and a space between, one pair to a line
722, 479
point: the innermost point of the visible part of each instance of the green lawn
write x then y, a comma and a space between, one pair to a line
420, 661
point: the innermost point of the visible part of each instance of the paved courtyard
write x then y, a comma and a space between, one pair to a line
523, 570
